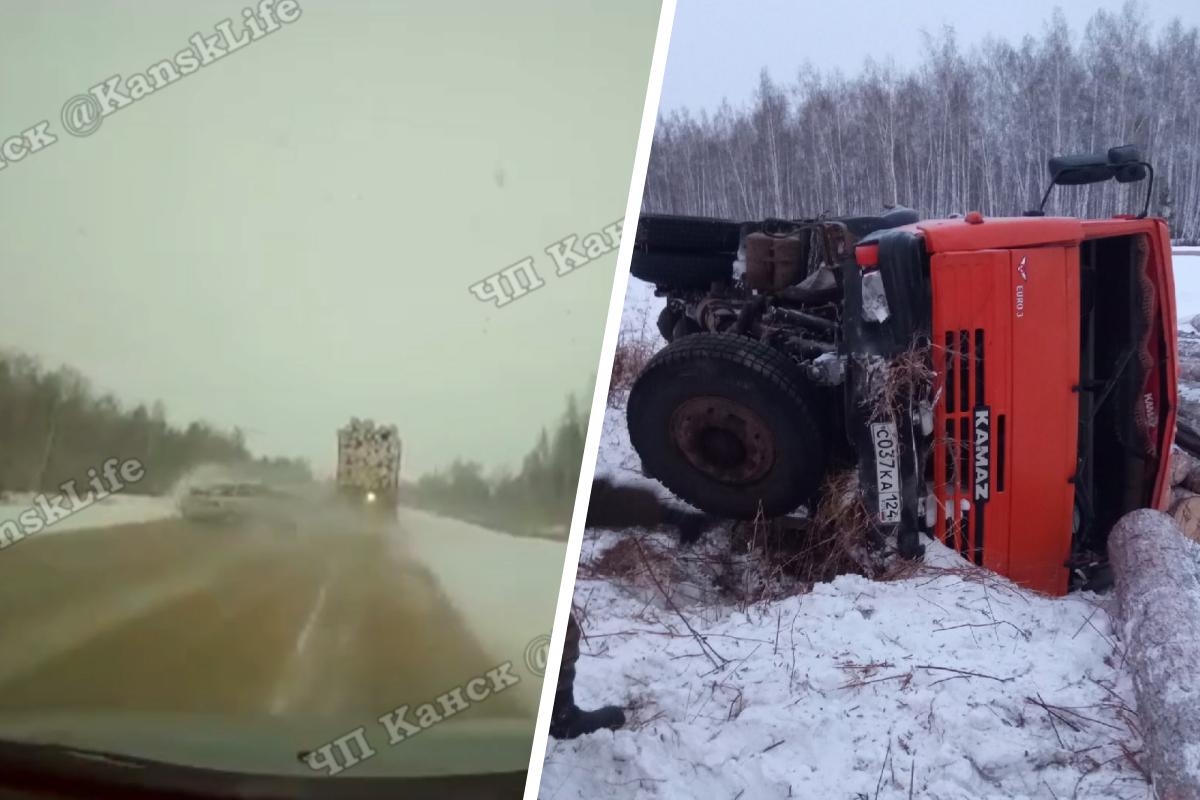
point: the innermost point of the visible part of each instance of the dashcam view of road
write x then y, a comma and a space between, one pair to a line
130, 617
197, 603
308, 618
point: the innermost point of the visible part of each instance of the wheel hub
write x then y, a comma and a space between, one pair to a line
723, 439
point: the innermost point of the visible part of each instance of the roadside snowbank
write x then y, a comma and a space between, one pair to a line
504, 586
117, 509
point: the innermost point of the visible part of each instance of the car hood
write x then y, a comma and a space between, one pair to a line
271, 746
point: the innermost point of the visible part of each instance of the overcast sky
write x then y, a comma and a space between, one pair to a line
286, 237
719, 47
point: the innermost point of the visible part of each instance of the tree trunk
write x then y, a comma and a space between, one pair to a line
1157, 574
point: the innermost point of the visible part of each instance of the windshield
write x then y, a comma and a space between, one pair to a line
285, 470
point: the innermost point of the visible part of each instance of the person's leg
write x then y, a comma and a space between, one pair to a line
690, 524
567, 720
615, 506
566, 674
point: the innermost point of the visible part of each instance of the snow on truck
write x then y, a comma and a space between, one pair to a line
1004, 385
368, 470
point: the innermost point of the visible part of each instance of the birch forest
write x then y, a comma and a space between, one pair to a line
965, 129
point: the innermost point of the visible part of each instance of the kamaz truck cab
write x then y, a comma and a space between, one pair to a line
1003, 385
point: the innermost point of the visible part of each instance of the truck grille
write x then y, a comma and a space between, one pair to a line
972, 444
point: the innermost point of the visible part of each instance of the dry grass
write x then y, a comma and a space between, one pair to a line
903, 378
842, 528
628, 362
755, 561
794, 553
620, 561
631, 558
637, 343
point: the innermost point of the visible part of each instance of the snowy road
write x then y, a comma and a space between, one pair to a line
334, 621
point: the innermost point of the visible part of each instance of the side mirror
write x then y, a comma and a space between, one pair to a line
1124, 154
1080, 170
1131, 173
1127, 164
1123, 163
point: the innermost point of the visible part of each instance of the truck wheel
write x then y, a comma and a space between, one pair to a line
727, 423
673, 324
682, 270
667, 319
688, 234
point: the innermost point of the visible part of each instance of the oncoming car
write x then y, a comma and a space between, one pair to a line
238, 502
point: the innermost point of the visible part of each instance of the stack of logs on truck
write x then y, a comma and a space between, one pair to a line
368, 473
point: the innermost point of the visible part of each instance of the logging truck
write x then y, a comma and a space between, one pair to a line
368, 466
1005, 385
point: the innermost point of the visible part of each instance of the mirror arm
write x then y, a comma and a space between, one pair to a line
1149, 190
1046, 196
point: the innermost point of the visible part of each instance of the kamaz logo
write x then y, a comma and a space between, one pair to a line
983, 441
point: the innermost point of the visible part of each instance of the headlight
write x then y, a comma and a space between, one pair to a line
370, 497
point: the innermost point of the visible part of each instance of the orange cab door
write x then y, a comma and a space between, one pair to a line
1006, 339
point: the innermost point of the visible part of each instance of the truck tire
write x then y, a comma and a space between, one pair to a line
674, 324
729, 425
863, 225
668, 318
682, 270
688, 234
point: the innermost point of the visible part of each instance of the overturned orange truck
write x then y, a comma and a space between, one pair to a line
1003, 385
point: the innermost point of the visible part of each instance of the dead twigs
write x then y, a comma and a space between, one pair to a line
713, 656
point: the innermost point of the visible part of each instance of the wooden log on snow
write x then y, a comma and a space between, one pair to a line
1178, 495
1157, 574
1187, 433
1182, 464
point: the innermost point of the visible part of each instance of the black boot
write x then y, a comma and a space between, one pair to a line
690, 524
568, 721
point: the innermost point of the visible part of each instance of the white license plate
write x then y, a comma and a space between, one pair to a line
887, 471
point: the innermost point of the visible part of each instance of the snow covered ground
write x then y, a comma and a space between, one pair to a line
1187, 284
949, 682
117, 509
1187, 303
952, 682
